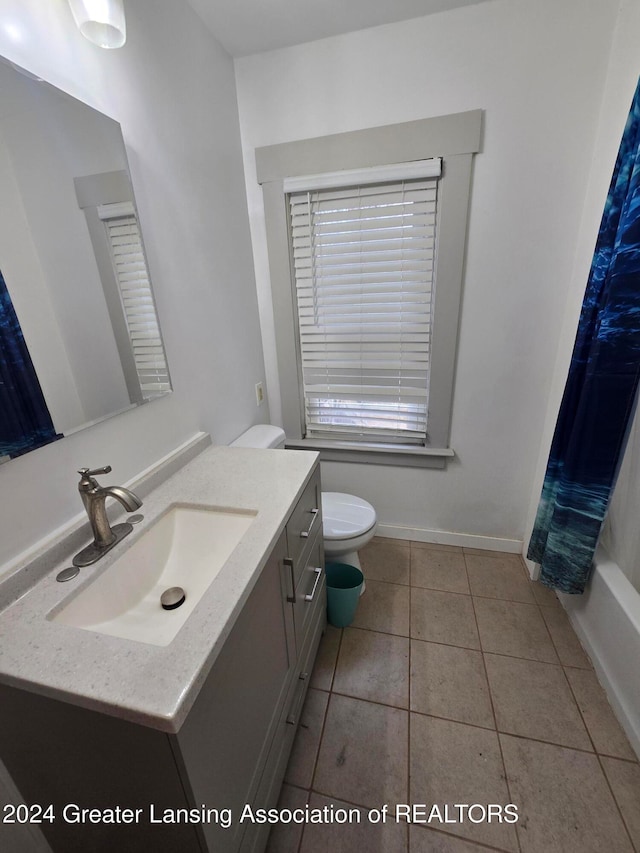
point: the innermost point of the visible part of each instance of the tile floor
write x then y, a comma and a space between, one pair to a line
459, 682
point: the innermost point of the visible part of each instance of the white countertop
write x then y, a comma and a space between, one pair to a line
156, 685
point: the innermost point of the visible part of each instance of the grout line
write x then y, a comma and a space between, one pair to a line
493, 711
634, 761
453, 720
389, 583
371, 701
532, 660
335, 662
307, 799
298, 788
379, 631
564, 746
347, 802
548, 742
533, 603
326, 714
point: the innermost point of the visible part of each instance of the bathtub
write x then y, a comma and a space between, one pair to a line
607, 620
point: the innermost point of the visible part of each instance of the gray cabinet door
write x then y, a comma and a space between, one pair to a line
226, 738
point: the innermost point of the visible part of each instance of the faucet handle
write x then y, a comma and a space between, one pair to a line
87, 472
87, 483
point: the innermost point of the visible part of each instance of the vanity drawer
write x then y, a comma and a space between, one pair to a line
310, 590
304, 523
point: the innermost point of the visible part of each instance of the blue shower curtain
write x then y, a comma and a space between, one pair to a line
25, 422
599, 397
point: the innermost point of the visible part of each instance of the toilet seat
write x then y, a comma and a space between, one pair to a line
345, 516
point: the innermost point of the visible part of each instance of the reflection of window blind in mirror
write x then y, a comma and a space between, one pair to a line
132, 276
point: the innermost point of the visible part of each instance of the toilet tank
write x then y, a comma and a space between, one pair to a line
262, 435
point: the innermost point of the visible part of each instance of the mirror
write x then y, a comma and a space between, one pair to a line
79, 334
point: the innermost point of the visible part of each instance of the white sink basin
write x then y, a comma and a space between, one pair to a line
186, 547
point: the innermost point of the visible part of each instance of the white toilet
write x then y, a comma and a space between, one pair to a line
348, 522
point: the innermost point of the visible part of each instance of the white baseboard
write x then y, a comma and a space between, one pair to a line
446, 537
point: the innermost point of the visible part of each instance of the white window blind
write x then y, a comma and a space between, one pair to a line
364, 259
137, 299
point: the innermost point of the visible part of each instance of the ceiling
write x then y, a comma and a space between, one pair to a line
252, 26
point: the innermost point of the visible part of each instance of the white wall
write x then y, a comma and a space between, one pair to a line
172, 89
538, 71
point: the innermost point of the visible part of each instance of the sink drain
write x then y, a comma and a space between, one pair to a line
172, 598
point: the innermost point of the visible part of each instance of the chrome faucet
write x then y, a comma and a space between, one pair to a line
94, 497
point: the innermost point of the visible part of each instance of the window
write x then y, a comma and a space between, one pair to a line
366, 234
363, 260
130, 269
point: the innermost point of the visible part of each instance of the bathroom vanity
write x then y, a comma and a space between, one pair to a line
164, 745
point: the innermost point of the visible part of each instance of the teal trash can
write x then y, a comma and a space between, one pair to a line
344, 584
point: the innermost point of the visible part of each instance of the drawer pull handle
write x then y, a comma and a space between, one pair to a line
292, 719
291, 596
311, 595
305, 533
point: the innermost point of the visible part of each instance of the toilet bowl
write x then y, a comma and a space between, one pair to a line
348, 522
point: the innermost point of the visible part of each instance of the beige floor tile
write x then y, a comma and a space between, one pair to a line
624, 778
564, 638
424, 840
443, 617
325, 664
450, 682
563, 800
374, 666
544, 595
358, 835
285, 837
533, 699
453, 763
606, 731
499, 577
384, 607
512, 628
386, 560
305, 746
434, 546
444, 570
363, 754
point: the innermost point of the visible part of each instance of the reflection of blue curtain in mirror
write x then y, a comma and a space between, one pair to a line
25, 422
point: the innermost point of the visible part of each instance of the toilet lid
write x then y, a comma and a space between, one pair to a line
345, 516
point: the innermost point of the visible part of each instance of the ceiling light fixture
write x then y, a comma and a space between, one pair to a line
101, 21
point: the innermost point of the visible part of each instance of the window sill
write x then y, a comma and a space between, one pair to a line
375, 454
